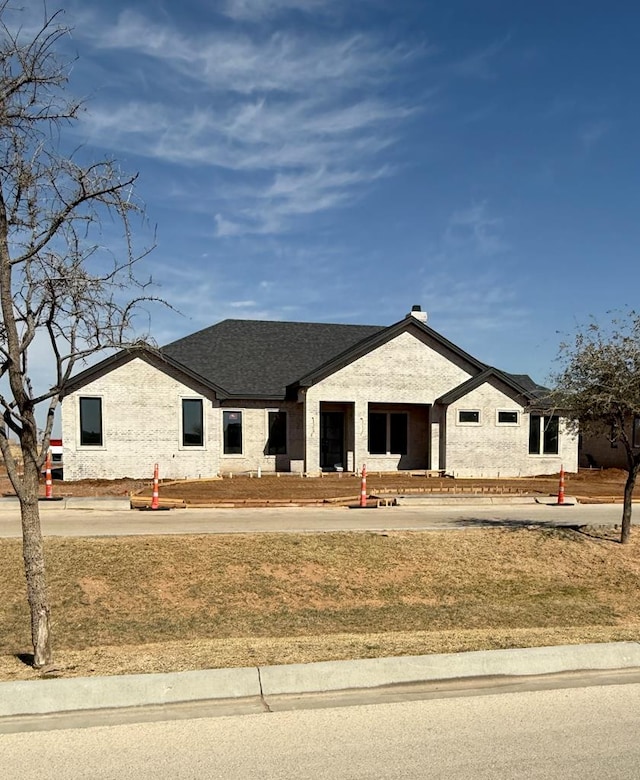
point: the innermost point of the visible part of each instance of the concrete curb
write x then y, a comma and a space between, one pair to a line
38, 697
73, 502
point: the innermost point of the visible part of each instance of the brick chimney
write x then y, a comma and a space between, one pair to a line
416, 311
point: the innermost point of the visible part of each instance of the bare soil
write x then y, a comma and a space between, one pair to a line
587, 484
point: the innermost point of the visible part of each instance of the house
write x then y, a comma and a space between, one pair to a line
307, 397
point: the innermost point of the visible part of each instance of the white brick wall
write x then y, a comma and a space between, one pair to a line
141, 415
255, 433
141, 418
141, 408
405, 370
493, 450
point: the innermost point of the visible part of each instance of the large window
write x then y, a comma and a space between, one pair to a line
192, 423
388, 433
277, 441
543, 434
91, 422
232, 432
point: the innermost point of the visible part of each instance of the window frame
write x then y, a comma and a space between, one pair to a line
508, 411
224, 434
81, 442
270, 451
388, 414
542, 429
183, 444
460, 412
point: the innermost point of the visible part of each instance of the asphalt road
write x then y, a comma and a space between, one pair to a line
584, 733
86, 522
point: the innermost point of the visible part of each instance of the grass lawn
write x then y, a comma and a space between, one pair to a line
145, 604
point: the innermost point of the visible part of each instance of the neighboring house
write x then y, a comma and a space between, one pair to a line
307, 397
602, 449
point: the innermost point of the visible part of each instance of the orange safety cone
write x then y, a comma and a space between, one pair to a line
561, 487
48, 483
363, 487
155, 498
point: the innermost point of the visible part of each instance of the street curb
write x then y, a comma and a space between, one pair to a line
74, 502
39, 697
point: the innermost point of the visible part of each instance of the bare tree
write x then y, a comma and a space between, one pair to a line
59, 287
599, 386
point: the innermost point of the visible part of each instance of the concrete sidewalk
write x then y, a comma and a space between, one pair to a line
41, 697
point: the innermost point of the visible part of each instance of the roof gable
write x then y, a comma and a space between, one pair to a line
519, 384
382, 336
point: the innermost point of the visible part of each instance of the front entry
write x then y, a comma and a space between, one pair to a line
331, 440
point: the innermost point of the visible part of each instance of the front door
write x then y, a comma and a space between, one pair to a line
331, 440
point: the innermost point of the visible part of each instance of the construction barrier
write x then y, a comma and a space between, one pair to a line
48, 482
155, 497
363, 487
561, 487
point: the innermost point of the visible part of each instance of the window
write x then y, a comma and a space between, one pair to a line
635, 442
469, 417
192, 423
277, 441
387, 433
232, 432
507, 418
543, 434
91, 422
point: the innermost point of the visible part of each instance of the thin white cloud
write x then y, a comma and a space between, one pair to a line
298, 120
253, 10
473, 229
593, 132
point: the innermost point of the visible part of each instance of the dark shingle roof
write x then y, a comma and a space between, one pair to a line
255, 358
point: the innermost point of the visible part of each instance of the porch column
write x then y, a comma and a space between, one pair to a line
311, 436
361, 434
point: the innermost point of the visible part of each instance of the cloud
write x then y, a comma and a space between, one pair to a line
472, 229
593, 132
252, 10
294, 123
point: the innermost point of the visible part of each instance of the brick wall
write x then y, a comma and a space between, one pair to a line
405, 370
490, 449
141, 418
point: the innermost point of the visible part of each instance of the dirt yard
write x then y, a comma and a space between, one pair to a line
150, 604
588, 484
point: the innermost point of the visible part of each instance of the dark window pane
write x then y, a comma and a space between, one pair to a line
534, 434
192, 427
636, 432
508, 417
232, 424
91, 422
398, 434
550, 440
468, 417
277, 443
377, 433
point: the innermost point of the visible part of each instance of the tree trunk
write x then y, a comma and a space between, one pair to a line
626, 512
33, 554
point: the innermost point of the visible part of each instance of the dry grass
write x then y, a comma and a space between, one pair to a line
134, 604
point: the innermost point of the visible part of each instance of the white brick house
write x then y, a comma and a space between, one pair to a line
286, 396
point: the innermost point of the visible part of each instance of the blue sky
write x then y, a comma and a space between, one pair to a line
341, 160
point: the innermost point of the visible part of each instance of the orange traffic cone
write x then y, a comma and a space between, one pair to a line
561, 487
